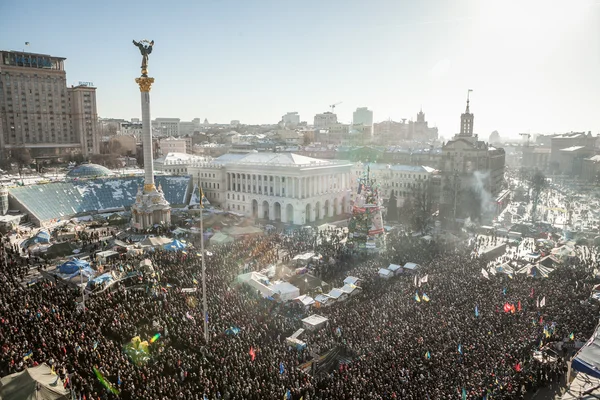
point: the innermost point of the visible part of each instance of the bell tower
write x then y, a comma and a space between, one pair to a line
466, 120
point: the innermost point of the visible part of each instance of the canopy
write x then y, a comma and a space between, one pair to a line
286, 290
73, 266
36, 383
535, 271
40, 237
583, 387
155, 241
411, 266
220, 238
587, 360
174, 246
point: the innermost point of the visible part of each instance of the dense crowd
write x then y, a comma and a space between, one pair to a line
401, 348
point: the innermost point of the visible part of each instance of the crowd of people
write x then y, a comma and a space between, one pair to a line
447, 335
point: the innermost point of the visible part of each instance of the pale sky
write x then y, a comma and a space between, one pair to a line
533, 65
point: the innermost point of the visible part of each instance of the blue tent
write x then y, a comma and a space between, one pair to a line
587, 360
73, 266
174, 245
40, 237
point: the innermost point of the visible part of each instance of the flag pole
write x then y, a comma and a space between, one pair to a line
204, 305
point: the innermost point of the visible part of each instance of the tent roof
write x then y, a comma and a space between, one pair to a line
36, 383
587, 360
581, 384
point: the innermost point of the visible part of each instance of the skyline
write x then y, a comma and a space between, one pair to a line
531, 70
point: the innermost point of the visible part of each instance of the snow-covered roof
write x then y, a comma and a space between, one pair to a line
272, 159
60, 200
179, 158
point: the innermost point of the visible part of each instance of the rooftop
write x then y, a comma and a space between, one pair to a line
179, 158
573, 148
401, 168
279, 159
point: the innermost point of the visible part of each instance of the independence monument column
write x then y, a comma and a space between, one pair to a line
150, 206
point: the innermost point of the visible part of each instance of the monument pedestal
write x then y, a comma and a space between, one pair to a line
150, 208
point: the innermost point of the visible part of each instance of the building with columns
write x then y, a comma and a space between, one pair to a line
281, 187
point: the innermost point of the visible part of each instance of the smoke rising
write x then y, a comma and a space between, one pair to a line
487, 202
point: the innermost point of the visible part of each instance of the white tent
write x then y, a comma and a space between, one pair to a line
36, 383
337, 294
286, 290
385, 273
256, 281
411, 266
305, 300
352, 280
322, 300
350, 289
314, 322
395, 268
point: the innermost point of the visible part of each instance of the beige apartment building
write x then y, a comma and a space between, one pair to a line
39, 112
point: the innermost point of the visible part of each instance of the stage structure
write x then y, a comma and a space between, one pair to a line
151, 207
365, 227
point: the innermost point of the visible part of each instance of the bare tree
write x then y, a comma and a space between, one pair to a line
537, 184
22, 158
423, 203
392, 208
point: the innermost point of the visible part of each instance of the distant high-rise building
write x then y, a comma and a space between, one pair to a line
325, 120
420, 130
84, 117
37, 110
362, 116
291, 119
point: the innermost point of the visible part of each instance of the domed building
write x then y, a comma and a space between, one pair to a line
89, 171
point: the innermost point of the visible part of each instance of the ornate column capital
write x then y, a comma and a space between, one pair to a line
145, 84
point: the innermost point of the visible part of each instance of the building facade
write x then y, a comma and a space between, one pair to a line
166, 126
84, 117
173, 145
281, 187
35, 109
470, 168
325, 120
291, 119
402, 180
362, 116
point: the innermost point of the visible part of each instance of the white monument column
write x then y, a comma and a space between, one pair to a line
145, 85
150, 205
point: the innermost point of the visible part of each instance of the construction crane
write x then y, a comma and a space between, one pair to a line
333, 106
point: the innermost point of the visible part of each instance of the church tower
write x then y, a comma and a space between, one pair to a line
466, 120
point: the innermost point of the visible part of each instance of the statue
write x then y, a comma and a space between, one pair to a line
145, 48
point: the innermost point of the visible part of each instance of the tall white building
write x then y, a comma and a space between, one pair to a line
284, 187
291, 119
325, 120
362, 116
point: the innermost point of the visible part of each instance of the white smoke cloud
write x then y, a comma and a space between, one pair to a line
487, 202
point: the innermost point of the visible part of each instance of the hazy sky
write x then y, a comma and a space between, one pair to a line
534, 65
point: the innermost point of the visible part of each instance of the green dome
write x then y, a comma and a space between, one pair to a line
89, 171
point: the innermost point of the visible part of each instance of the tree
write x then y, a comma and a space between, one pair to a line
423, 201
537, 185
392, 208
471, 204
22, 158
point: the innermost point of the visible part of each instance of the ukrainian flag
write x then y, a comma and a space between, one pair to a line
417, 298
425, 297
203, 199
27, 356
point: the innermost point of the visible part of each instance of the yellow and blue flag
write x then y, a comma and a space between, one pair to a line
203, 200
417, 298
27, 356
425, 297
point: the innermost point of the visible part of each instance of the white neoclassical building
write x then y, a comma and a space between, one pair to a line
284, 187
